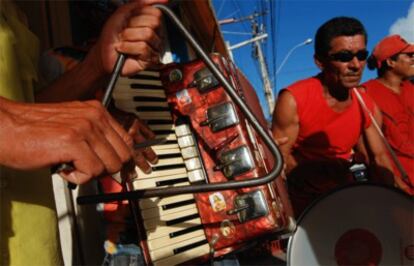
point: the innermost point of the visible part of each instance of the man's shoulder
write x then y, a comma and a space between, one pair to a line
375, 90
304, 84
304, 92
370, 85
408, 84
305, 89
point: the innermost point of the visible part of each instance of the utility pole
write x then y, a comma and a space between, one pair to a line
257, 37
265, 74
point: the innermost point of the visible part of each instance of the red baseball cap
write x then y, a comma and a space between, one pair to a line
390, 46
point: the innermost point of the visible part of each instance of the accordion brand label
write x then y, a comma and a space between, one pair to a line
183, 97
217, 202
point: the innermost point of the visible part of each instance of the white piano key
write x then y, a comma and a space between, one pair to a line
185, 141
167, 241
182, 130
151, 202
164, 147
161, 230
196, 175
184, 256
159, 212
169, 161
167, 151
167, 136
192, 164
189, 152
142, 182
165, 252
160, 223
160, 173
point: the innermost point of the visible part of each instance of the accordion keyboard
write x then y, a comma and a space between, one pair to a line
172, 224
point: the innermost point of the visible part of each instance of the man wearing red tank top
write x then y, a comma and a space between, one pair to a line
393, 92
323, 119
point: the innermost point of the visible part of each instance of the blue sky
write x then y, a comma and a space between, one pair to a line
293, 21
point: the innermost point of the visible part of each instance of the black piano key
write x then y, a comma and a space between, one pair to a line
168, 156
146, 86
152, 108
163, 131
166, 167
182, 219
189, 246
178, 204
158, 122
143, 76
148, 99
171, 181
186, 230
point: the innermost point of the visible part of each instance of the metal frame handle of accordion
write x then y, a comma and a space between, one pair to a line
196, 188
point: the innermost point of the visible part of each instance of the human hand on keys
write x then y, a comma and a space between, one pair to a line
81, 133
140, 133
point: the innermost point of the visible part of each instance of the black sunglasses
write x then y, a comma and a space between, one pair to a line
347, 56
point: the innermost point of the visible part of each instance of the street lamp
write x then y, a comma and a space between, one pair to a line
306, 42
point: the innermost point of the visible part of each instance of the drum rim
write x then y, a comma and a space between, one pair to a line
339, 188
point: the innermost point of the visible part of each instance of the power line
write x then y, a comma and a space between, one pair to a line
236, 33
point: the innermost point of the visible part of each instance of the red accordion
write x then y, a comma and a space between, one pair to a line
208, 141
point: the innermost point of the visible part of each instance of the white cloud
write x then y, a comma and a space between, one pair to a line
405, 26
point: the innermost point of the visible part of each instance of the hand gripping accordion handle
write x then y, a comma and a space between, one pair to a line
196, 188
68, 167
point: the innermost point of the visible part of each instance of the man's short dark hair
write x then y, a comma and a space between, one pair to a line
335, 27
372, 64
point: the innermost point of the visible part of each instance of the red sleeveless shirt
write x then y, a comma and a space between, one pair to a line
324, 144
398, 120
323, 132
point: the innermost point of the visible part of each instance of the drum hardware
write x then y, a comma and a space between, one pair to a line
359, 172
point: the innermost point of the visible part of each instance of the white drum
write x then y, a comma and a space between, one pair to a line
356, 225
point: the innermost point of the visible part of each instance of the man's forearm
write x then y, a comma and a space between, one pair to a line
80, 83
384, 169
13, 107
291, 163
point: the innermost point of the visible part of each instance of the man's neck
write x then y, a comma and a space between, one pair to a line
337, 98
339, 94
331, 91
392, 82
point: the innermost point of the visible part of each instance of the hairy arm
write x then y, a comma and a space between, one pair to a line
81, 133
286, 124
131, 30
361, 146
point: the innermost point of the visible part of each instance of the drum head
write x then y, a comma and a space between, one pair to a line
356, 225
